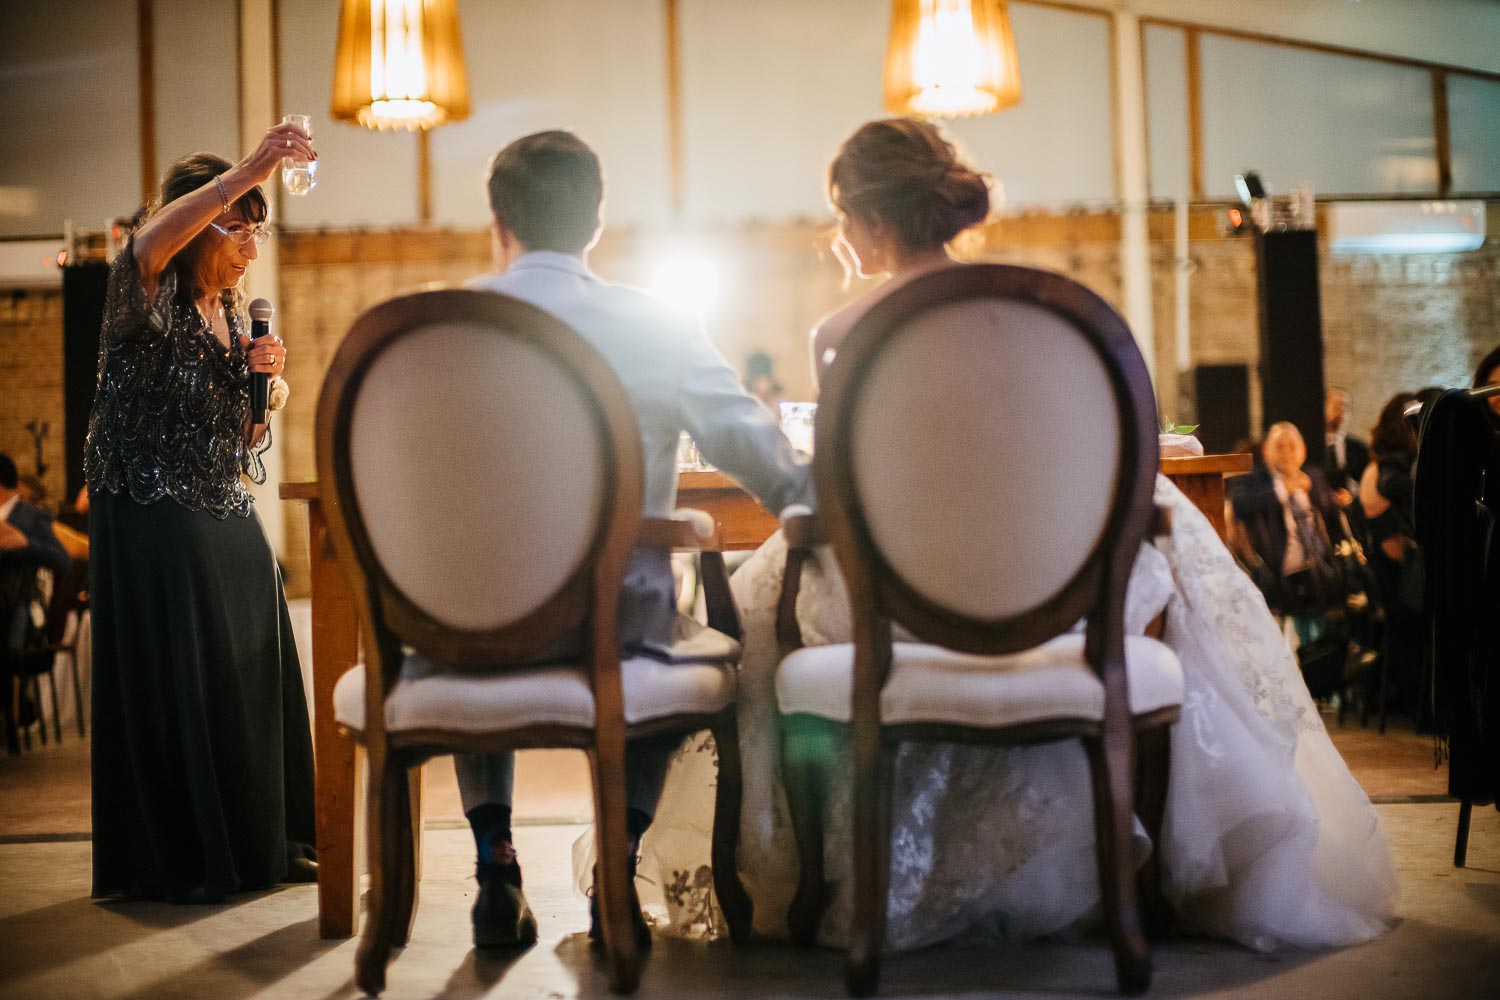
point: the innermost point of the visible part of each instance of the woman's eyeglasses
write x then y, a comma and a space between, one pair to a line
242, 236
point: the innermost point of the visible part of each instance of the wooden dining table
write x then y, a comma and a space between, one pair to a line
743, 524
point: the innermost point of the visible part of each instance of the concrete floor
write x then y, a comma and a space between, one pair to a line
56, 943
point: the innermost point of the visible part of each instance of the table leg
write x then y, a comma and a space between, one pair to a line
335, 648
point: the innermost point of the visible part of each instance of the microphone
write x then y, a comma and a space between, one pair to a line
260, 383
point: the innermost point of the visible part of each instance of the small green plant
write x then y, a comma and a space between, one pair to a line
1167, 427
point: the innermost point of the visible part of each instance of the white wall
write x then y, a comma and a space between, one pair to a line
1343, 125
69, 115
1457, 32
195, 56
596, 68
769, 89
1474, 124
365, 178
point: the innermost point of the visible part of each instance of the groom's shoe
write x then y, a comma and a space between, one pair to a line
502, 918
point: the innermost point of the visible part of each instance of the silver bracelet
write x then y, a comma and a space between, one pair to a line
223, 194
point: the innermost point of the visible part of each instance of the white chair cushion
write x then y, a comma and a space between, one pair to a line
932, 684
551, 695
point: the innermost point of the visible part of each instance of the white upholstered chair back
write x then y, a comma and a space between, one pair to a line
984, 437
480, 460
476, 465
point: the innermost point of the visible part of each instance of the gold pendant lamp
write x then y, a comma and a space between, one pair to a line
951, 58
400, 64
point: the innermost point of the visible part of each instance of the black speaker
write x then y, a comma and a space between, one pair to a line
83, 316
1218, 399
1291, 334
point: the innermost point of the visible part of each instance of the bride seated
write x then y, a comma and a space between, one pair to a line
1267, 839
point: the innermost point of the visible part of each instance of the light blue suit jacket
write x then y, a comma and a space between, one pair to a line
677, 381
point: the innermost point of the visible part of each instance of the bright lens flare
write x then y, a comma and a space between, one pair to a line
686, 281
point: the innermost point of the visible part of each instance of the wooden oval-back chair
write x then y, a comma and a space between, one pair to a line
485, 470
985, 456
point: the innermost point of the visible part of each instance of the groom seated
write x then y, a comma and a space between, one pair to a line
546, 193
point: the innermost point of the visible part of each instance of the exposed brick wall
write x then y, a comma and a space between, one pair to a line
31, 382
1390, 321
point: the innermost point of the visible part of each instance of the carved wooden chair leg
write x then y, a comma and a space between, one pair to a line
384, 832
1153, 766
872, 868
738, 908
612, 888
1113, 828
408, 843
802, 777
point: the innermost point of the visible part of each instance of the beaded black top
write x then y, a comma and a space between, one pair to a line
172, 403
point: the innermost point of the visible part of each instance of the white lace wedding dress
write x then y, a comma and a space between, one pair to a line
1267, 838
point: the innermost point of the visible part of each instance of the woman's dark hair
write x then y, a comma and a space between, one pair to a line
903, 174
1490, 362
183, 178
1392, 433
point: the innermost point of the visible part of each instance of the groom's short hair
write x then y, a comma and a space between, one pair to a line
546, 189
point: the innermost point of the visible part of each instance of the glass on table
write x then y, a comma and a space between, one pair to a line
688, 459
299, 176
797, 424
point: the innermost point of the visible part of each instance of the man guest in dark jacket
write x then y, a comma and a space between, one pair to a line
1289, 517
1346, 456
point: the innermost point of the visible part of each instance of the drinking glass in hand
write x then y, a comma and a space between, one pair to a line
298, 175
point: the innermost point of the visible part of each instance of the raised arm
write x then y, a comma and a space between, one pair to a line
738, 434
164, 235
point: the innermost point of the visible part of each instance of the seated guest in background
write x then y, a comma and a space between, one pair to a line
202, 753
1267, 838
546, 194
1345, 456
26, 529
27, 541
1289, 516
1385, 494
1488, 373
761, 382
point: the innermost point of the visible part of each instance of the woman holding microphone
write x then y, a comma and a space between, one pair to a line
202, 755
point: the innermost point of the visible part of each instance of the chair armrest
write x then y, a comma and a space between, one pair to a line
802, 530
687, 529
801, 527
695, 531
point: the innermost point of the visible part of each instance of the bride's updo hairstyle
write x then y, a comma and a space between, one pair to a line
903, 175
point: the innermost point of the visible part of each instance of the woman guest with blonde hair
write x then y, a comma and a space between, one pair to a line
202, 755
